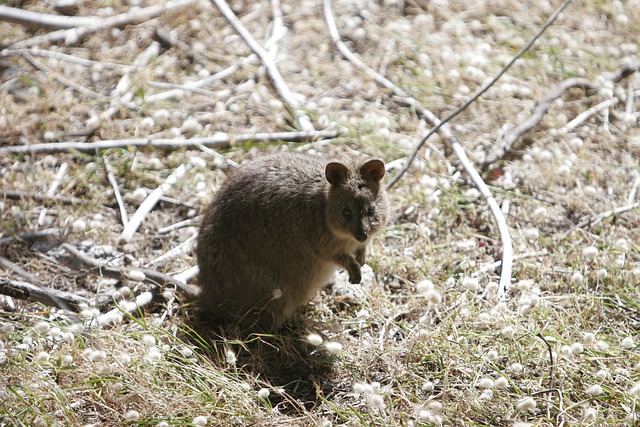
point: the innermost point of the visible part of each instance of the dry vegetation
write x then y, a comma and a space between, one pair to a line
427, 342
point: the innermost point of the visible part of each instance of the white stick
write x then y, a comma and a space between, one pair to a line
148, 203
116, 191
179, 250
221, 140
580, 118
187, 275
604, 215
132, 17
62, 171
120, 93
36, 51
301, 118
634, 190
505, 237
178, 225
22, 16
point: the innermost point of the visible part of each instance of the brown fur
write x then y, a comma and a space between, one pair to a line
277, 231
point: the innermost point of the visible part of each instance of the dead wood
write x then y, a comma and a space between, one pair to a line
31, 236
135, 16
44, 20
152, 277
218, 141
42, 198
508, 143
293, 101
47, 296
149, 202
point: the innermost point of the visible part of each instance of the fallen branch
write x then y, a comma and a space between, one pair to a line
36, 51
153, 277
506, 145
582, 117
604, 215
134, 16
44, 20
179, 251
62, 171
437, 125
185, 223
507, 248
41, 294
147, 205
116, 191
69, 83
121, 93
42, 198
301, 118
32, 236
502, 147
218, 141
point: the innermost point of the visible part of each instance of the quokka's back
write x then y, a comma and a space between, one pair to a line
277, 231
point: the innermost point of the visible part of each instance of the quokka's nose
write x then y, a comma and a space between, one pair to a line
361, 236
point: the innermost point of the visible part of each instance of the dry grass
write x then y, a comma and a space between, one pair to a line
427, 343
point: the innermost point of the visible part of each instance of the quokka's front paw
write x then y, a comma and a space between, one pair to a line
355, 276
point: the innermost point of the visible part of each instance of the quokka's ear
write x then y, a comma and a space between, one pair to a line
336, 173
372, 170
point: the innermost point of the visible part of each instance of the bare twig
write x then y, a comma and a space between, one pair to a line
36, 51
482, 90
151, 276
222, 140
65, 81
22, 16
187, 275
148, 203
183, 248
43, 198
62, 171
143, 299
116, 191
604, 215
119, 94
181, 224
134, 16
580, 118
50, 297
31, 236
506, 144
507, 247
278, 30
35, 282
294, 102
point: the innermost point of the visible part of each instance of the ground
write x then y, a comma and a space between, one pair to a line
428, 340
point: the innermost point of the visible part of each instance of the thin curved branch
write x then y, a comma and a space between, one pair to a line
458, 150
505, 145
134, 16
222, 140
482, 90
301, 118
44, 20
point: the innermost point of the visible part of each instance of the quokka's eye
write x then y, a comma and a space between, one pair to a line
346, 212
371, 211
